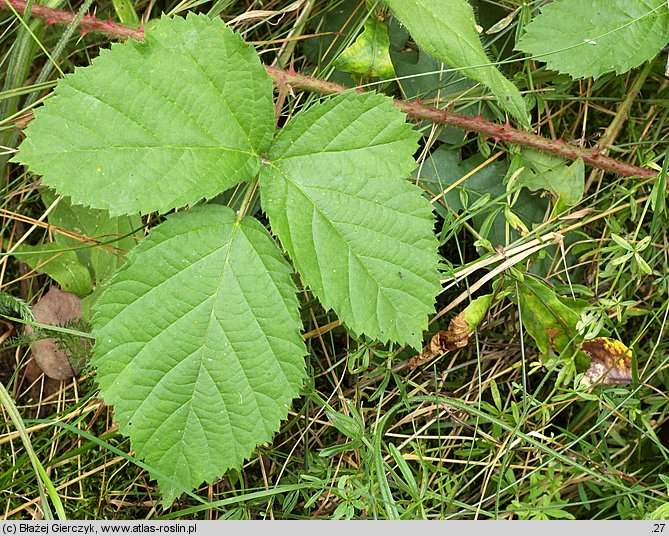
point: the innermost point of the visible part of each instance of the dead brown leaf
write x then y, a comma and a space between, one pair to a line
447, 340
610, 362
55, 308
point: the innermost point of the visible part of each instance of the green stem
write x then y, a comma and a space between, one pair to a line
43, 480
415, 109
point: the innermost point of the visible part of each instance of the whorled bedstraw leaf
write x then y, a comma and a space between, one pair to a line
446, 29
360, 235
198, 345
595, 37
155, 125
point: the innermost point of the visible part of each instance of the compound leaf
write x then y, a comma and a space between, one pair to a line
359, 234
198, 345
446, 29
591, 38
155, 125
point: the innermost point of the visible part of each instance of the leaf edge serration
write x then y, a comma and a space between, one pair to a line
106, 346
37, 161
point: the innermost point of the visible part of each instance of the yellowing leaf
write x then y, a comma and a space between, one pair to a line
369, 55
549, 321
610, 362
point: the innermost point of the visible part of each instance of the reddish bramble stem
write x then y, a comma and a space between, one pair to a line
414, 109
88, 24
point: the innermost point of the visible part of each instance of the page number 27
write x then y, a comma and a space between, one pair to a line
658, 527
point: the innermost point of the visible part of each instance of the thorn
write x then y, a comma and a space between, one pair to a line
292, 71
496, 139
51, 20
507, 124
83, 31
359, 90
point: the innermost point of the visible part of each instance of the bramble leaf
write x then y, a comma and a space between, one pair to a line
113, 233
155, 125
370, 54
61, 265
549, 321
359, 234
566, 182
610, 362
200, 354
446, 29
592, 38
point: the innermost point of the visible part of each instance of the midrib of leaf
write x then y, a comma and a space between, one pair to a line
211, 83
330, 151
375, 47
615, 27
344, 193
332, 224
151, 147
149, 134
335, 139
264, 335
226, 263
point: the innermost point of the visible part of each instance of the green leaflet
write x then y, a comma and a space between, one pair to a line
370, 54
60, 264
595, 37
200, 354
358, 233
156, 125
447, 30
113, 234
547, 319
566, 182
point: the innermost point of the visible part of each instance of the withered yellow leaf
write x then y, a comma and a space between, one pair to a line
610, 362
